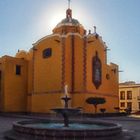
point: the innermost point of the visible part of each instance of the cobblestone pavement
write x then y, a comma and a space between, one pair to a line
5, 124
128, 123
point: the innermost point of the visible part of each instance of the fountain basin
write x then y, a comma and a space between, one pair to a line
67, 111
46, 129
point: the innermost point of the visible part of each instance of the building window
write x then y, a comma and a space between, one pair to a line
129, 105
47, 53
18, 70
129, 95
139, 105
96, 70
122, 95
122, 104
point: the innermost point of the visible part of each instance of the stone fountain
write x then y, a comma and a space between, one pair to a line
76, 129
66, 111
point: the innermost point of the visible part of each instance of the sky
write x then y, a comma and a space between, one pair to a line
24, 22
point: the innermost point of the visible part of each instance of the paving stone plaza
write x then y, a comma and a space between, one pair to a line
130, 124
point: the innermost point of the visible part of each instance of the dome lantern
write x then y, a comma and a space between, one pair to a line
69, 24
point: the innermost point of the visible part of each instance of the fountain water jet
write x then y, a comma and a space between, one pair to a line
66, 111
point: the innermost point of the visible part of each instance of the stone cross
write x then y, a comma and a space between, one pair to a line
69, 4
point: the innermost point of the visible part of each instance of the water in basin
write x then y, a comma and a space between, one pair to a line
71, 126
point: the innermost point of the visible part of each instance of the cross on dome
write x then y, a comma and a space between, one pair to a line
69, 11
69, 14
69, 1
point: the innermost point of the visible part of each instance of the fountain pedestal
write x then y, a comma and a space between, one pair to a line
66, 111
66, 99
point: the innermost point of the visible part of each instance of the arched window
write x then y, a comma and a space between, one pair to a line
47, 53
96, 71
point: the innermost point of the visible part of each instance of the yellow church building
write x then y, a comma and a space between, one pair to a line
34, 81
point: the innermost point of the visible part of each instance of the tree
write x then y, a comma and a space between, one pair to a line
95, 101
102, 110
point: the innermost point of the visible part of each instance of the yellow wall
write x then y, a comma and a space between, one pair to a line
109, 87
43, 98
1, 86
78, 64
41, 84
15, 86
47, 71
45, 102
78, 100
67, 61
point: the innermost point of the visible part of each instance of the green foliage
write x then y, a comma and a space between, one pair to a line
102, 110
95, 101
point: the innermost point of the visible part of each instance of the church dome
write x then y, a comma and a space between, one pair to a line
69, 24
66, 21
